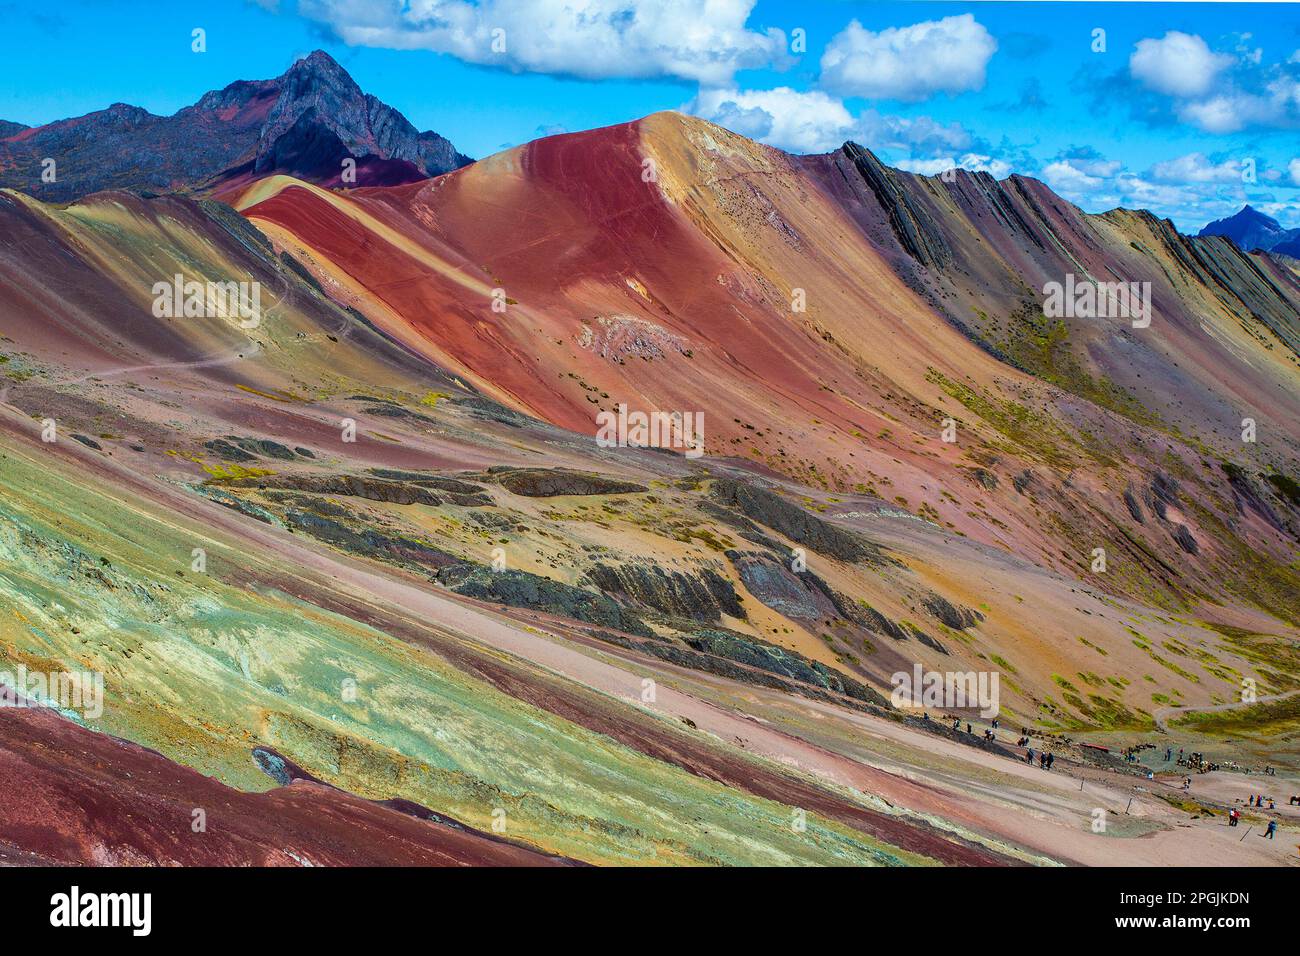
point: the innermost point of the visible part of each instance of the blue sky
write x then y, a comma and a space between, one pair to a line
1186, 104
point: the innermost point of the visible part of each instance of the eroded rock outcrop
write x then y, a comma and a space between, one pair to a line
704, 596
779, 660
956, 617
359, 486
522, 589
792, 521
551, 482
781, 589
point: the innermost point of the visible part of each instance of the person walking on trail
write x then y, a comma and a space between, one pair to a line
1029, 757
1233, 816
1051, 758
1272, 828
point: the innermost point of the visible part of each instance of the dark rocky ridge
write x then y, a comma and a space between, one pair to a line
910, 224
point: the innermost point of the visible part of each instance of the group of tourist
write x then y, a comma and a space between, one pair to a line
1195, 761
1045, 759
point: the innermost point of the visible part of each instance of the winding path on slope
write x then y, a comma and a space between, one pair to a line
230, 356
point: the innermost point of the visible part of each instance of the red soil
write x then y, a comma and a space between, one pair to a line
73, 796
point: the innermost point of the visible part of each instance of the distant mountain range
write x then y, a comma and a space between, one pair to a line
1250, 229
304, 123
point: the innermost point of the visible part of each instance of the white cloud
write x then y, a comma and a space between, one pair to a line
908, 63
1286, 212
1195, 168
1179, 64
1293, 170
920, 135
1183, 67
801, 122
813, 122
1069, 180
1189, 189
1248, 54
1224, 114
1277, 105
1091, 163
1284, 95
700, 40
972, 162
